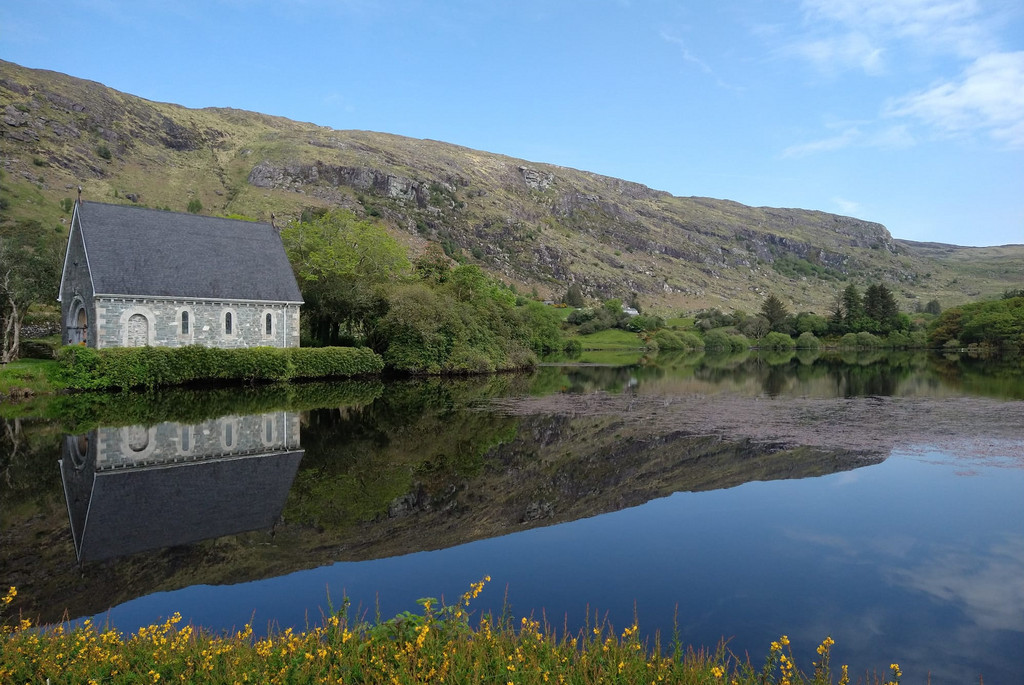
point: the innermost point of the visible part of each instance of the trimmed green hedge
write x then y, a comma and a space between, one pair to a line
83, 368
82, 411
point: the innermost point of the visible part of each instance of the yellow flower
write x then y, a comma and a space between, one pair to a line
717, 671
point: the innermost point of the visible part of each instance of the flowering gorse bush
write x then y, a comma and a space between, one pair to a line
442, 644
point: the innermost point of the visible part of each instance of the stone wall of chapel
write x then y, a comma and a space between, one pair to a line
165, 443
77, 292
206, 323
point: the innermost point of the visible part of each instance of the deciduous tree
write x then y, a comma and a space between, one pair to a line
30, 262
341, 262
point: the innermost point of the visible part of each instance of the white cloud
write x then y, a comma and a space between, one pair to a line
853, 50
945, 25
847, 207
988, 584
862, 135
988, 95
694, 59
685, 51
844, 139
893, 137
840, 35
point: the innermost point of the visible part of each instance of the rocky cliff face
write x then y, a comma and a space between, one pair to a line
536, 225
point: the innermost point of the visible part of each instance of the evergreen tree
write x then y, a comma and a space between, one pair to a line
775, 311
853, 308
880, 307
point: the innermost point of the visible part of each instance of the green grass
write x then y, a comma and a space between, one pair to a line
563, 312
26, 377
611, 339
684, 323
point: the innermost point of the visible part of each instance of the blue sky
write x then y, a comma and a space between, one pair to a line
905, 112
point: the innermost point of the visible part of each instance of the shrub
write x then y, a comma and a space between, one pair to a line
807, 341
720, 340
573, 346
898, 340
330, 362
195, 206
83, 368
868, 340
848, 341
104, 152
77, 367
673, 340
776, 341
643, 322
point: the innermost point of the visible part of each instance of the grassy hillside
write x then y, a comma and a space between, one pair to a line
536, 225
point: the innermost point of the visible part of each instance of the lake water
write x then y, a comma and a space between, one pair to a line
874, 499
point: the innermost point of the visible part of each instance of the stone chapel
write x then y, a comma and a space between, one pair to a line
134, 276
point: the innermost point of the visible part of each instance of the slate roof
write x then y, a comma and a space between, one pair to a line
117, 513
149, 252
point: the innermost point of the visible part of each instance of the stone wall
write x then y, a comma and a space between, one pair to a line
76, 293
130, 322
167, 443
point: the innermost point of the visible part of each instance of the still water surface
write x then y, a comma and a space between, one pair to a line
582, 492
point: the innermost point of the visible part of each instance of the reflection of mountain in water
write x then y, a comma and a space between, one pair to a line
136, 488
554, 469
415, 470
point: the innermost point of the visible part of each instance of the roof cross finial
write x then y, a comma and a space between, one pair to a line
79, 194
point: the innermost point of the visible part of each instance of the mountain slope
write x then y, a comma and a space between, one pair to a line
536, 225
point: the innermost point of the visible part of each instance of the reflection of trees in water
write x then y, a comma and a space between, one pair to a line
28, 450
583, 379
853, 373
1001, 376
413, 442
872, 372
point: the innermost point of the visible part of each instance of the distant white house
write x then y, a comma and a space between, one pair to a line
134, 277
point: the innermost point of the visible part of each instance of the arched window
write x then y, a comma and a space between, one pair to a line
138, 438
270, 323
227, 323
184, 323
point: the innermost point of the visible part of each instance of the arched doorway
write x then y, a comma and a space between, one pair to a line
78, 325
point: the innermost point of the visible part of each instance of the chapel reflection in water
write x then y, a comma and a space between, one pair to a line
135, 488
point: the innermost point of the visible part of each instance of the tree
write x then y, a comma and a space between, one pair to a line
433, 264
880, 307
933, 307
756, 327
30, 262
574, 296
853, 307
809, 322
775, 311
342, 264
